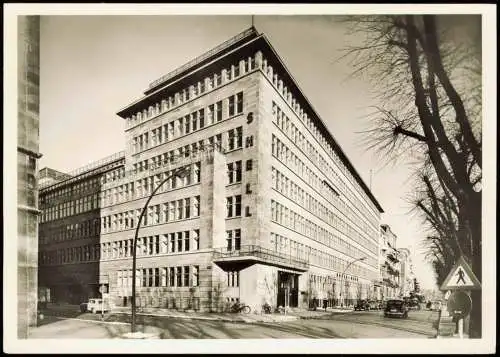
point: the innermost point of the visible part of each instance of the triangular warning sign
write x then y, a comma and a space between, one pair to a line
461, 277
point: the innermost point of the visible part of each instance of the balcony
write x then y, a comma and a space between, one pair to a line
252, 254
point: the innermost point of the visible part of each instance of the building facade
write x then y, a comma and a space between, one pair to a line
390, 264
272, 212
27, 156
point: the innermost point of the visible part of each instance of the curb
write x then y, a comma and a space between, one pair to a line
207, 318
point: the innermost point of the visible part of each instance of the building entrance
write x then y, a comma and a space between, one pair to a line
288, 289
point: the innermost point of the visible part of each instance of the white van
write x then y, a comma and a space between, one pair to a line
96, 305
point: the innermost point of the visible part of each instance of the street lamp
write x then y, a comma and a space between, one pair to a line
180, 172
342, 277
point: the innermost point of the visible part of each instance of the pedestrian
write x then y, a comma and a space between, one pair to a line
324, 304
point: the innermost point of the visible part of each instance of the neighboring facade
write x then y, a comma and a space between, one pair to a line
406, 271
27, 156
275, 213
390, 264
69, 234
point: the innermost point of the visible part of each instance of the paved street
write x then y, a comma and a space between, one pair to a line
333, 325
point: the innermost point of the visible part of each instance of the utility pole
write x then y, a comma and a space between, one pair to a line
180, 172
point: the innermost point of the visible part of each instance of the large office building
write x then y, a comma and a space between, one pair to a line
273, 211
28, 66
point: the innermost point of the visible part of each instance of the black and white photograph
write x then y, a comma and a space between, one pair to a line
250, 178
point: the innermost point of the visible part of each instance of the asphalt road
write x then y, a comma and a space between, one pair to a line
351, 325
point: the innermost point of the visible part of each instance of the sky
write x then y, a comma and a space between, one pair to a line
92, 66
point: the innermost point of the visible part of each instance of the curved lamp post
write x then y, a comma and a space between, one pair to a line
342, 277
180, 172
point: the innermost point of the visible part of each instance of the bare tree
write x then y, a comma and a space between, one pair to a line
429, 90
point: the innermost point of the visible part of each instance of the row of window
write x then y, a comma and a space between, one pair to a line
295, 193
285, 155
166, 212
71, 191
175, 242
176, 276
235, 141
84, 229
70, 208
145, 186
299, 139
188, 123
311, 126
290, 219
289, 247
227, 74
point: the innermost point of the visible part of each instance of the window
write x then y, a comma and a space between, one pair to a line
233, 205
195, 281
201, 118
179, 241
196, 239
229, 240
186, 275
235, 138
249, 165
171, 276
231, 106
237, 239
196, 206
233, 279
234, 172
186, 241
239, 103
179, 276
218, 111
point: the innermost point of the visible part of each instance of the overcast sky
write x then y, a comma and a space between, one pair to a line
91, 66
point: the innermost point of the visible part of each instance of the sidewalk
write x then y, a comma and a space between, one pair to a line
292, 315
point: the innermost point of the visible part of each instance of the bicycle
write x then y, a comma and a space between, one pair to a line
266, 308
239, 307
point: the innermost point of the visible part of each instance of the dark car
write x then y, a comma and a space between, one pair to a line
396, 307
362, 305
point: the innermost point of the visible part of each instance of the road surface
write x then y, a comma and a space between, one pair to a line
351, 325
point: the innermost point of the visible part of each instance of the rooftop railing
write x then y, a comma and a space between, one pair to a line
89, 167
262, 253
202, 57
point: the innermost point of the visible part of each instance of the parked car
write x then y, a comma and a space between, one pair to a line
396, 307
436, 305
95, 305
374, 305
362, 305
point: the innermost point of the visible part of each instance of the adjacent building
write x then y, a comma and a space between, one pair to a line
28, 66
270, 210
390, 264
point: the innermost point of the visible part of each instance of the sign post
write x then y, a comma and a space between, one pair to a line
458, 284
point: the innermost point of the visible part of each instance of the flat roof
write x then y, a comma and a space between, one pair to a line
242, 42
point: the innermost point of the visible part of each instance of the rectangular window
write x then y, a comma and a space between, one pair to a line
218, 111
231, 103
186, 241
237, 206
237, 239
171, 276
179, 276
234, 172
195, 276
239, 103
229, 240
196, 239
179, 241
186, 275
